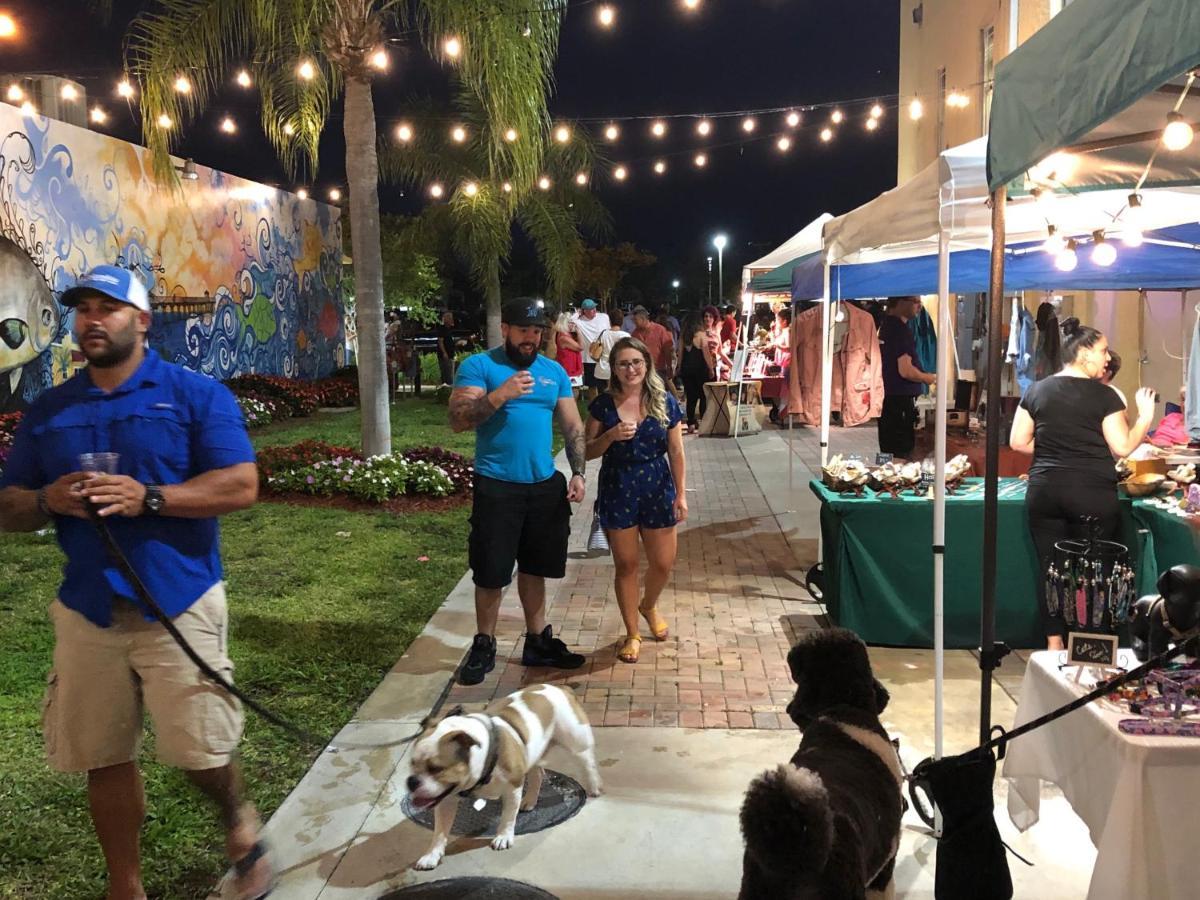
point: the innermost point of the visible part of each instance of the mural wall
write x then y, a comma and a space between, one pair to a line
255, 272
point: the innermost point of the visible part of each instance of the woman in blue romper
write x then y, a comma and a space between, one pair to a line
636, 427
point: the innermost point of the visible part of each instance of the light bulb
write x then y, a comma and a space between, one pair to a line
228, 125
701, 160
510, 135
182, 85
793, 119
703, 127
826, 135
876, 111
436, 191
404, 133
872, 124
581, 179
748, 125
243, 78
335, 195
692, 4
164, 121
69, 92
452, 47
1055, 243
784, 144
507, 187
612, 132
1067, 259
458, 134
289, 129
28, 109
302, 194
660, 167
306, 70
470, 189
606, 16
15, 94
620, 173
562, 134
956, 100
8, 26
1178, 134
840, 315
658, 129
1132, 237
125, 89
544, 183
836, 117
379, 59
1058, 166
98, 115
916, 109
1103, 251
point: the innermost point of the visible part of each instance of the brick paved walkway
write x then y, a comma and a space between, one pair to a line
734, 605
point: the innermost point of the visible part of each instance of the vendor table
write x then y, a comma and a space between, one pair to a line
1136, 794
878, 563
774, 387
721, 404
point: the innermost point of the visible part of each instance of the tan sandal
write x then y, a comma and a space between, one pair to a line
631, 648
658, 625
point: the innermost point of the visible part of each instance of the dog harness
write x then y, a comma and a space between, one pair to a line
493, 755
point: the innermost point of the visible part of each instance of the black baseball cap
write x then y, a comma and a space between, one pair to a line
524, 311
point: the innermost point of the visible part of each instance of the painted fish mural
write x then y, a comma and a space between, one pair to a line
29, 314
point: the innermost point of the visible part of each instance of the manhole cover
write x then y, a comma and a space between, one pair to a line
469, 889
561, 797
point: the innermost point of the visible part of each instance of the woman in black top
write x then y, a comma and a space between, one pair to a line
695, 368
1074, 425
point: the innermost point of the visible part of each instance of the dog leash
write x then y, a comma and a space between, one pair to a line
151, 605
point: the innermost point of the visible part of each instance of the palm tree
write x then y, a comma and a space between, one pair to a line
302, 54
488, 195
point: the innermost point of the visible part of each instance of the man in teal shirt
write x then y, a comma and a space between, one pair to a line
510, 396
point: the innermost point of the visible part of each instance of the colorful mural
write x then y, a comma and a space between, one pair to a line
256, 271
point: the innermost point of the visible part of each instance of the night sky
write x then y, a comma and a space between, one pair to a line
659, 60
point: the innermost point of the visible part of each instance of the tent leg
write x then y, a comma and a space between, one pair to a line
826, 371
944, 339
990, 653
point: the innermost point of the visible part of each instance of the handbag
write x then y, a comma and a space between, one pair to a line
596, 349
597, 542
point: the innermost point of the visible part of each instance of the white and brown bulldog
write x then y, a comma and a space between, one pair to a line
496, 754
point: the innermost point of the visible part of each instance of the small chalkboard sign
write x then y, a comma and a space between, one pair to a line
882, 459
1092, 650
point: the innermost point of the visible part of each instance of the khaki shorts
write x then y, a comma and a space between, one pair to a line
102, 678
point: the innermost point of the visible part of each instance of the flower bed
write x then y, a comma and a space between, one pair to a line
258, 411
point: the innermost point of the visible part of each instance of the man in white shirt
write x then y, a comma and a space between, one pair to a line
590, 325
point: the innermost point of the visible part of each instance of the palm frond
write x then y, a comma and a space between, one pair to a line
550, 224
482, 234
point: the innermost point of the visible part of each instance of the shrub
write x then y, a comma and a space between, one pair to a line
460, 470
301, 398
306, 453
257, 412
377, 479
8, 429
337, 391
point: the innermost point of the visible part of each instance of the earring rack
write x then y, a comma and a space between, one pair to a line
1090, 582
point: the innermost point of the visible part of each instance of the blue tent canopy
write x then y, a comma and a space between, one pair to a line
1152, 266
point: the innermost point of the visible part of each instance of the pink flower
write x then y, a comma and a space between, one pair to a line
310, 479
422, 559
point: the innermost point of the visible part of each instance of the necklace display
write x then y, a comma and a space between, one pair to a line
1090, 584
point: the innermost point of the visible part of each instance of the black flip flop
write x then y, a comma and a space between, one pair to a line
244, 866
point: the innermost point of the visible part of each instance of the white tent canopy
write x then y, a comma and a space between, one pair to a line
803, 243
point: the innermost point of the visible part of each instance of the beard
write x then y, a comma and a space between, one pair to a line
116, 350
518, 357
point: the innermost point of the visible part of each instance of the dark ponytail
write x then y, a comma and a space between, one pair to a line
1076, 337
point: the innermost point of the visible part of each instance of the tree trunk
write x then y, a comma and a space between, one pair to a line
493, 307
362, 175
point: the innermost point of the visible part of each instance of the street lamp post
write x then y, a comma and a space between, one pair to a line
720, 242
709, 280
675, 285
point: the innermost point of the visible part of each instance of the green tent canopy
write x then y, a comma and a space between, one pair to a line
778, 280
1102, 75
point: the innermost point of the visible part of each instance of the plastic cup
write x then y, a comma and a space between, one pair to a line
99, 463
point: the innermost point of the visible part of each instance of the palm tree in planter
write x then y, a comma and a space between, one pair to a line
302, 54
486, 196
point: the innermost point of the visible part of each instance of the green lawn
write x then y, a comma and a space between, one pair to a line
316, 619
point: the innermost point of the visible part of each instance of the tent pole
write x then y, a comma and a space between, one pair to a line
989, 653
945, 342
826, 368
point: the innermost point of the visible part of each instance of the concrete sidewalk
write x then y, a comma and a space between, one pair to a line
679, 735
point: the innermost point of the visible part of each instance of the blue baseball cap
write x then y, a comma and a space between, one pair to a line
111, 281
588, 304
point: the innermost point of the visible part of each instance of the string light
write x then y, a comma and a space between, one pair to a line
379, 60
544, 183
302, 194
748, 125
125, 89
288, 129
1103, 252
606, 16
1055, 167
15, 94
182, 85
452, 47
581, 179
8, 26
876, 111
872, 124
306, 70
243, 79
703, 127
562, 134
957, 100
1067, 259
660, 167
511, 135
836, 117
1055, 243
459, 134
916, 109
1132, 235
470, 189
784, 144
658, 129
793, 119
507, 187
620, 173
692, 4
612, 132
1178, 134
165, 121
335, 195
436, 191
701, 160
98, 115
404, 133
28, 109
827, 134
69, 92
228, 125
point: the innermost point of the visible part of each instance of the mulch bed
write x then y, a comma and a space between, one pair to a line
414, 503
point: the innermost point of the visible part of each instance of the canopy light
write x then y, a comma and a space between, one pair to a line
658, 129
748, 125
827, 135
701, 160
1178, 134
793, 119
916, 109
1103, 252
876, 111
836, 117
1067, 259
612, 132
98, 115
703, 127
1055, 243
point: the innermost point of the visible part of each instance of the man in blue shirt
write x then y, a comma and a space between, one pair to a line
183, 458
521, 515
903, 379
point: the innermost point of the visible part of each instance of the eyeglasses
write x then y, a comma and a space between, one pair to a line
632, 364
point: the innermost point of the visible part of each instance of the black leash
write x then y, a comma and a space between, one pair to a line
151, 605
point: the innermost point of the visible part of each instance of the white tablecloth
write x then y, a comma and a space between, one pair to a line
1139, 796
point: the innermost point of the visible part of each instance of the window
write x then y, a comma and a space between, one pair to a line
1057, 6
987, 72
940, 133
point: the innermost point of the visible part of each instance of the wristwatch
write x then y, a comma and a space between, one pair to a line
154, 500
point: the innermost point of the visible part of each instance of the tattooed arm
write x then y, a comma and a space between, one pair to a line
575, 440
470, 407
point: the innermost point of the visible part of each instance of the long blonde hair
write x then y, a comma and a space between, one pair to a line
654, 392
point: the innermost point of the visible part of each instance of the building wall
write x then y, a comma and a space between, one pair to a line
71, 198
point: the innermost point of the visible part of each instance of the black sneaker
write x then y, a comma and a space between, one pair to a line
480, 660
546, 650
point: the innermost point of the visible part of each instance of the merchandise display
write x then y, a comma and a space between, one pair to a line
1091, 584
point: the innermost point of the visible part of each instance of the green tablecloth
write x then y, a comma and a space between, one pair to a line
878, 563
